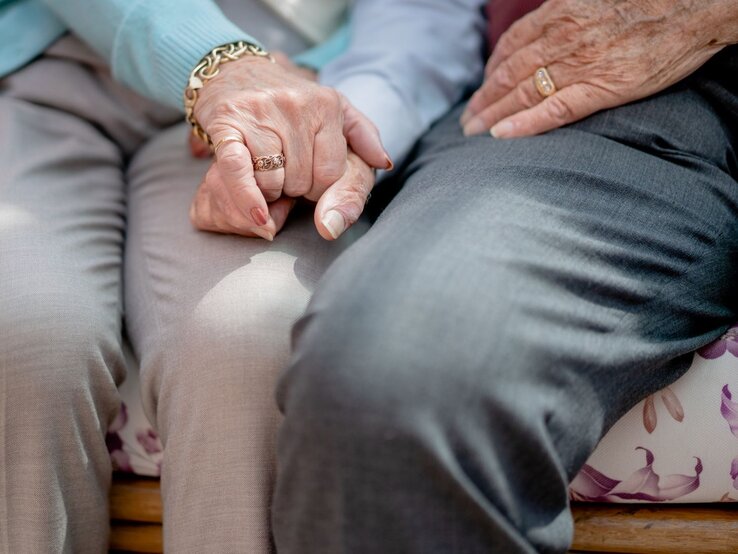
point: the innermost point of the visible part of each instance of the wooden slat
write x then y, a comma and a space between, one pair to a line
135, 499
135, 506
136, 537
656, 529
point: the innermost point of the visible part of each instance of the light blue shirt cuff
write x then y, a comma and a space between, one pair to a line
375, 97
317, 57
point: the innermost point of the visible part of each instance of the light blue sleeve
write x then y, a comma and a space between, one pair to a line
408, 62
151, 45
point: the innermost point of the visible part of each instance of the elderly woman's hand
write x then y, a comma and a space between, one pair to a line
215, 209
599, 54
275, 111
199, 149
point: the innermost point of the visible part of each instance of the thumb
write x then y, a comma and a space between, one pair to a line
343, 202
363, 138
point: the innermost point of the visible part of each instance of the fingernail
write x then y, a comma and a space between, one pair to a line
259, 216
474, 127
464, 118
390, 165
334, 222
502, 129
263, 233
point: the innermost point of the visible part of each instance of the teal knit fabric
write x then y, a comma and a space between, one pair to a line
150, 45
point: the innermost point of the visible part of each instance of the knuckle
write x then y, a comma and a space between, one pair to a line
325, 175
476, 102
260, 104
299, 180
292, 100
270, 195
231, 161
555, 36
271, 188
504, 76
504, 45
225, 113
329, 97
298, 188
515, 34
536, 54
526, 95
560, 110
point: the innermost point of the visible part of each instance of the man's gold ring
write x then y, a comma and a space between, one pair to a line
544, 82
226, 139
268, 163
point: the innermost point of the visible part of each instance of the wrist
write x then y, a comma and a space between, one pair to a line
210, 67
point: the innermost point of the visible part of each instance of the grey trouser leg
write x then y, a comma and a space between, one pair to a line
62, 217
458, 365
209, 316
61, 237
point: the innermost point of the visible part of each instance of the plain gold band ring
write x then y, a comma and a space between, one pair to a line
544, 82
224, 140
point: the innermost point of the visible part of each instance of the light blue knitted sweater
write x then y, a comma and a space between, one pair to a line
150, 45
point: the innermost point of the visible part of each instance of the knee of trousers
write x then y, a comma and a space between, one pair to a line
379, 366
60, 358
220, 359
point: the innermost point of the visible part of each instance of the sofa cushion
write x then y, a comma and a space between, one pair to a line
678, 445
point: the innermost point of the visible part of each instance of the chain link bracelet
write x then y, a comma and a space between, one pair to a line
208, 68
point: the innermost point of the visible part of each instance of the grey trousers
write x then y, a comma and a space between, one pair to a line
458, 365
94, 197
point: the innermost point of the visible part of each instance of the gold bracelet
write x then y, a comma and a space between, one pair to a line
208, 68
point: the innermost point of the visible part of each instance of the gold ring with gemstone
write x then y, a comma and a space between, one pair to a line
268, 163
226, 139
544, 82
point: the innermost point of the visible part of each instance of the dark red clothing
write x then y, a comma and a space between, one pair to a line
502, 14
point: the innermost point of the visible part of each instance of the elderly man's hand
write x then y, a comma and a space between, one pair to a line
599, 53
340, 206
273, 110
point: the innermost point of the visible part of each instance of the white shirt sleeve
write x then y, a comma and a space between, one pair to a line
408, 62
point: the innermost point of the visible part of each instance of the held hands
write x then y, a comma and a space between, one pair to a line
599, 54
216, 209
276, 110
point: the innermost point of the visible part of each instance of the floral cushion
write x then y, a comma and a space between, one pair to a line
133, 444
678, 445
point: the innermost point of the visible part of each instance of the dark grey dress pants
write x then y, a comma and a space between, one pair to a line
459, 364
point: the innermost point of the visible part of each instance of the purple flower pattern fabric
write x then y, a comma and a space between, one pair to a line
141, 456
135, 447
729, 410
120, 458
149, 440
727, 343
643, 484
672, 404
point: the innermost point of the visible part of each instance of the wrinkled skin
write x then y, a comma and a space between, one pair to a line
600, 54
214, 209
276, 108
